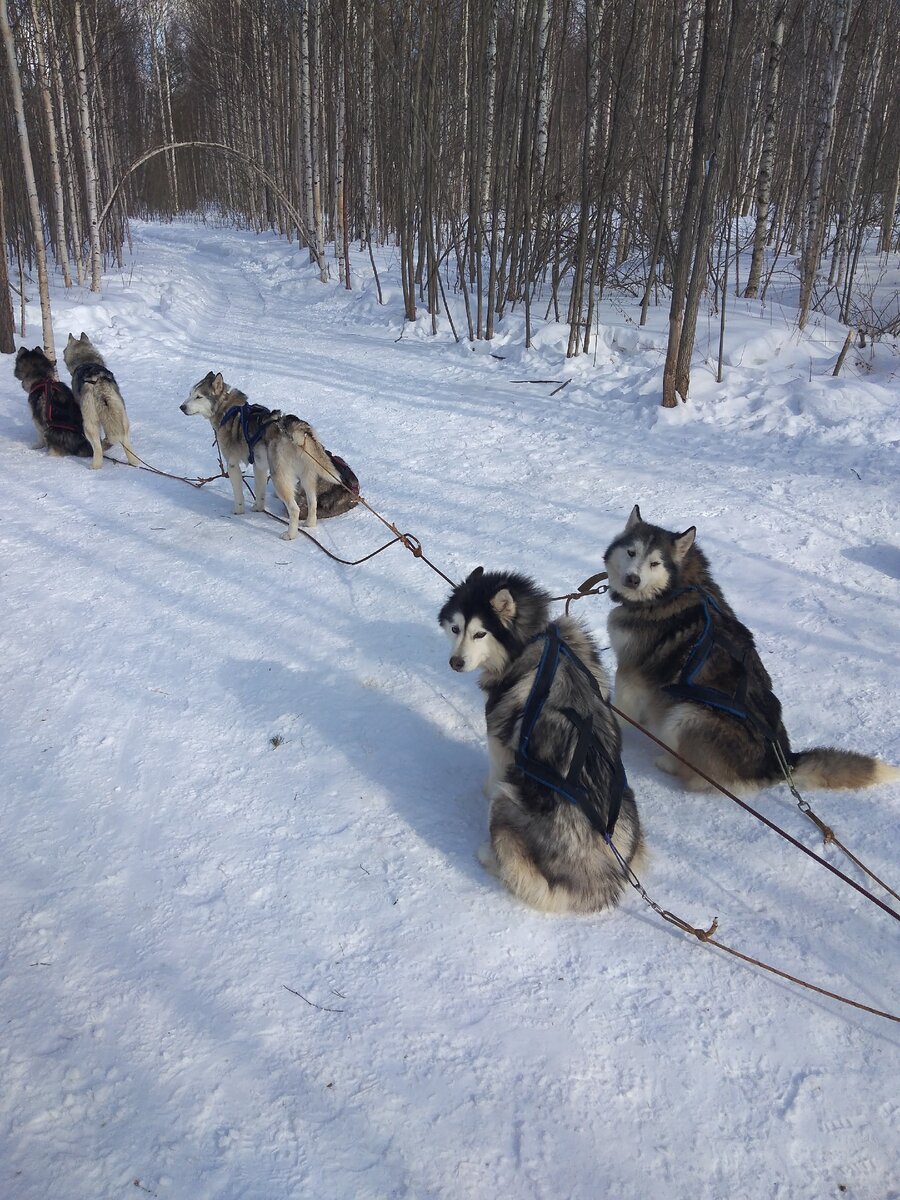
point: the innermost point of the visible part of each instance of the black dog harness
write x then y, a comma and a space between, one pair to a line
50, 388
714, 638
567, 786
254, 419
90, 372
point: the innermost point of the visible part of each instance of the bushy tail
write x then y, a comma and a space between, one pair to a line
824, 767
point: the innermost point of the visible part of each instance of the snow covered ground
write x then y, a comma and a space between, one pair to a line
234, 771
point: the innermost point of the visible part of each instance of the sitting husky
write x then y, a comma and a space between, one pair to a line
556, 786
101, 403
298, 461
56, 416
689, 670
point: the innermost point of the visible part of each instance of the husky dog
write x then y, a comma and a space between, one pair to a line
97, 393
239, 428
546, 731
298, 460
332, 499
690, 671
56, 416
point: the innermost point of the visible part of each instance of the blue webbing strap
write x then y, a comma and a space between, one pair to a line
686, 689
248, 412
567, 786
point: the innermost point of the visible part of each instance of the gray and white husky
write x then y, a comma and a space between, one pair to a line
689, 670
211, 397
304, 475
547, 730
99, 398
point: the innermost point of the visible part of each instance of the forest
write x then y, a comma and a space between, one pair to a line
528, 154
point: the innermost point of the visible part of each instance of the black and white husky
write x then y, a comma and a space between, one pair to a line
54, 411
689, 670
556, 786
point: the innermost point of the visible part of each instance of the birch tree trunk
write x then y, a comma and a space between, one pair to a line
823, 141
767, 158
34, 207
59, 220
7, 316
87, 141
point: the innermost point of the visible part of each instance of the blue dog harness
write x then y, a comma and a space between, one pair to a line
254, 419
712, 638
567, 786
90, 372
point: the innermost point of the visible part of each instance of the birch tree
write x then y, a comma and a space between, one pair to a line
34, 207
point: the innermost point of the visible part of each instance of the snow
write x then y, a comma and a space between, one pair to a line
236, 771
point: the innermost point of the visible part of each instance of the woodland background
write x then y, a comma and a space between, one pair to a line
537, 154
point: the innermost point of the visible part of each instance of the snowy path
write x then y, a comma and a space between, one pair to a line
167, 871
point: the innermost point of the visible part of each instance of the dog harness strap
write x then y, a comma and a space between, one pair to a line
90, 372
712, 638
50, 388
567, 786
255, 413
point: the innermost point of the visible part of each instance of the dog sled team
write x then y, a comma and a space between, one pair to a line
90, 417
565, 835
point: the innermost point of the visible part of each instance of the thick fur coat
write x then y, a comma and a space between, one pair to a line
546, 850
665, 596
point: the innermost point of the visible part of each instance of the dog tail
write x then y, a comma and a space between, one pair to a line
824, 767
518, 870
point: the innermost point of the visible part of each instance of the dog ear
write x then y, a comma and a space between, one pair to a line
504, 606
218, 383
84, 336
634, 518
475, 575
683, 542
208, 378
70, 341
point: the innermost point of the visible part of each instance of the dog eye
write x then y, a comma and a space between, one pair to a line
476, 636
454, 629
654, 564
632, 553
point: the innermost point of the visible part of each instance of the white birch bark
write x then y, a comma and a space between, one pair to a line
34, 207
59, 219
824, 139
87, 140
767, 159
305, 126
490, 88
541, 135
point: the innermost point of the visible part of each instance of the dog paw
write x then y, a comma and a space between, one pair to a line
258, 508
665, 762
288, 536
95, 466
488, 859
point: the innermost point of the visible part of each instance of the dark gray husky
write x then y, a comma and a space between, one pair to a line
54, 410
556, 787
689, 670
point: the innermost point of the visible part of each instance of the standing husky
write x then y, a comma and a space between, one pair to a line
556, 786
690, 671
97, 393
56, 416
296, 456
239, 428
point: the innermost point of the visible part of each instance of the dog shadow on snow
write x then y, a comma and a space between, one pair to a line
420, 771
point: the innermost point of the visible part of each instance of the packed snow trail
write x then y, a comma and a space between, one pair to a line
246, 948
